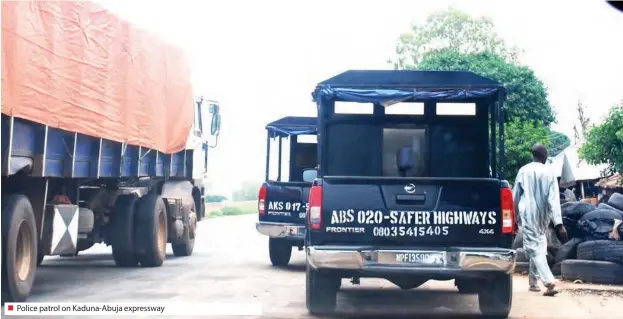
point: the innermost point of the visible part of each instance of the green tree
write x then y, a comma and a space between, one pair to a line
524, 135
453, 40
604, 142
527, 95
452, 29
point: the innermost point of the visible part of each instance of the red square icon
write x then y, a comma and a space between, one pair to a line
10, 307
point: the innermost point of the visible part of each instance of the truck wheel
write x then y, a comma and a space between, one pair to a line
279, 251
19, 248
151, 231
122, 226
466, 286
321, 292
186, 246
496, 297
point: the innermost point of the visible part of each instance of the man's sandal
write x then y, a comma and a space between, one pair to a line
550, 292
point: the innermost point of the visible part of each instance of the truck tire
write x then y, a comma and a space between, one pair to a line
520, 254
590, 271
151, 231
616, 201
280, 252
467, 286
122, 227
522, 267
187, 245
19, 248
496, 297
601, 250
557, 269
568, 250
320, 292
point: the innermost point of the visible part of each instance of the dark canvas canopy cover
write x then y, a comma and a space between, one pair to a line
393, 86
292, 125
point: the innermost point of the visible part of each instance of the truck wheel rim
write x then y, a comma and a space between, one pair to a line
162, 241
24, 252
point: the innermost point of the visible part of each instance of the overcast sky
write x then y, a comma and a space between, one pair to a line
262, 59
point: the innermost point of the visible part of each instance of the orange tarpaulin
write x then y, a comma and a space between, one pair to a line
75, 66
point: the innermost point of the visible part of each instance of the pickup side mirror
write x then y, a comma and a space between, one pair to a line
404, 160
309, 175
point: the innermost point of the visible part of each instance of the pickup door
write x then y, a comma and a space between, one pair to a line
285, 202
408, 212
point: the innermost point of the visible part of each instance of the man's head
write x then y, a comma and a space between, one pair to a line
539, 153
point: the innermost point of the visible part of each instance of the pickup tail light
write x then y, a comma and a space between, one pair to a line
315, 207
508, 210
261, 200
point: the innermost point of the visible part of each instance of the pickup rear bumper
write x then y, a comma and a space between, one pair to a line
281, 230
452, 260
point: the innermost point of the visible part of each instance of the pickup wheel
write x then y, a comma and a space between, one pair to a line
122, 235
151, 231
496, 297
280, 252
187, 244
19, 248
466, 286
321, 292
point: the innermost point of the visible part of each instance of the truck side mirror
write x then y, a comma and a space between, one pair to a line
404, 160
215, 120
309, 175
215, 127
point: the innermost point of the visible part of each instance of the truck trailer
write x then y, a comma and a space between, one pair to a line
103, 140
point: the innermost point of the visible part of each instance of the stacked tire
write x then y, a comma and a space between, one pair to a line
595, 253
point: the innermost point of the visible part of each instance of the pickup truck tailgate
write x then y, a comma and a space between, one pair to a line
400, 212
285, 202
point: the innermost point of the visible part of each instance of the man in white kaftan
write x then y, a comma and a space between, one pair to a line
537, 203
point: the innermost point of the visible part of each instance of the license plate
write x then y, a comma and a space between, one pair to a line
421, 258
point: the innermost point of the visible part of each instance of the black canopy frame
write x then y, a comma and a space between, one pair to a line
287, 127
430, 87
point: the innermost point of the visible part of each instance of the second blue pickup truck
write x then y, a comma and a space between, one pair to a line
282, 200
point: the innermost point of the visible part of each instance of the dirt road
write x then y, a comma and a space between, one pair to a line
230, 264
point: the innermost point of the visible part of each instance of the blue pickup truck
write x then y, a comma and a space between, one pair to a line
282, 200
410, 186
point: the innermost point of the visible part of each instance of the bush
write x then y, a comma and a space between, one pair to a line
232, 211
235, 209
215, 198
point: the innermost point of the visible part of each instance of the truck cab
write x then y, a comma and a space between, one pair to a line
282, 199
203, 136
410, 186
